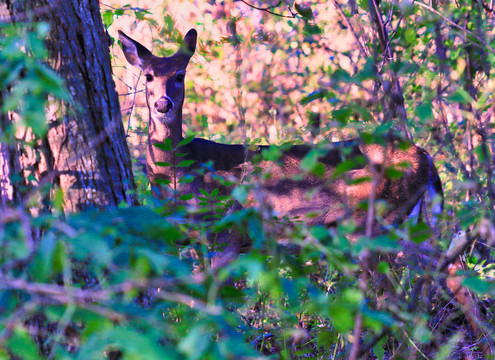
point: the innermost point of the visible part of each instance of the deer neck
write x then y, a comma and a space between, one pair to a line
158, 132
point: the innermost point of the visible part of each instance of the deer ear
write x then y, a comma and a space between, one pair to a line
134, 52
189, 43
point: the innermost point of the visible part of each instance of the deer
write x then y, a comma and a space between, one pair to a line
415, 194
285, 191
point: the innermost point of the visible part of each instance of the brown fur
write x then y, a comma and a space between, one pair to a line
334, 199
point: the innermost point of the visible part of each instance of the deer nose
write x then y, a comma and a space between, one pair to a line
164, 104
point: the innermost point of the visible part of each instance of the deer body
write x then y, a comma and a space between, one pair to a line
333, 198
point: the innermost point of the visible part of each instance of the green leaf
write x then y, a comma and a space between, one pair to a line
51, 80
107, 18
186, 179
36, 120
379, 350
424, 111
315, 95
165, 145
341, 75
141, 267
312, 29
186, 197
419, 232
410, 35
186, 141
447, 350
304, 11
367, 72
58, 199
134, 344
186, 163
42, 265
377, 319
320, 232
158, 261
59, 259
342, 115
272, 153
255, 230
460, 96
195, 343
326, 339
344, 167
342, 316
318, 170
364, 4
21, 344
480, 286
383, 267
12, 101
163, 181
164, 164
384, 243
393, 174
421, 332
240, 193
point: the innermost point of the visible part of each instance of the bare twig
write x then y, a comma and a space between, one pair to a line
362, 49
267, 9
131, 93
397, 103
132, 104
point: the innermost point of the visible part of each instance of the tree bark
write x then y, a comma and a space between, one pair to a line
86, 152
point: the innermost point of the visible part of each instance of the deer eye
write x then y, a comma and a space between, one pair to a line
149, 77
179, 78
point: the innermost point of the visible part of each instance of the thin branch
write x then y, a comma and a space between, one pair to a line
72, 295
397, 96
267, 9
131, 93
132, 104
127, 8
362, 49
457, 26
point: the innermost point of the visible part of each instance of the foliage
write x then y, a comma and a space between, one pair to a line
135, 283
22, 53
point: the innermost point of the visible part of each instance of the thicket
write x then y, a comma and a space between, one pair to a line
123, 283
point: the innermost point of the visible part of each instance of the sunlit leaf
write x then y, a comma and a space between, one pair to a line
107, 18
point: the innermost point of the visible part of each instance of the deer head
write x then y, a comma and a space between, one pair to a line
164, 76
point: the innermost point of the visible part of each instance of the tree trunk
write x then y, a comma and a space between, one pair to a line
86, 152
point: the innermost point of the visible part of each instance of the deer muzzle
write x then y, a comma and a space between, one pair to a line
164, 104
